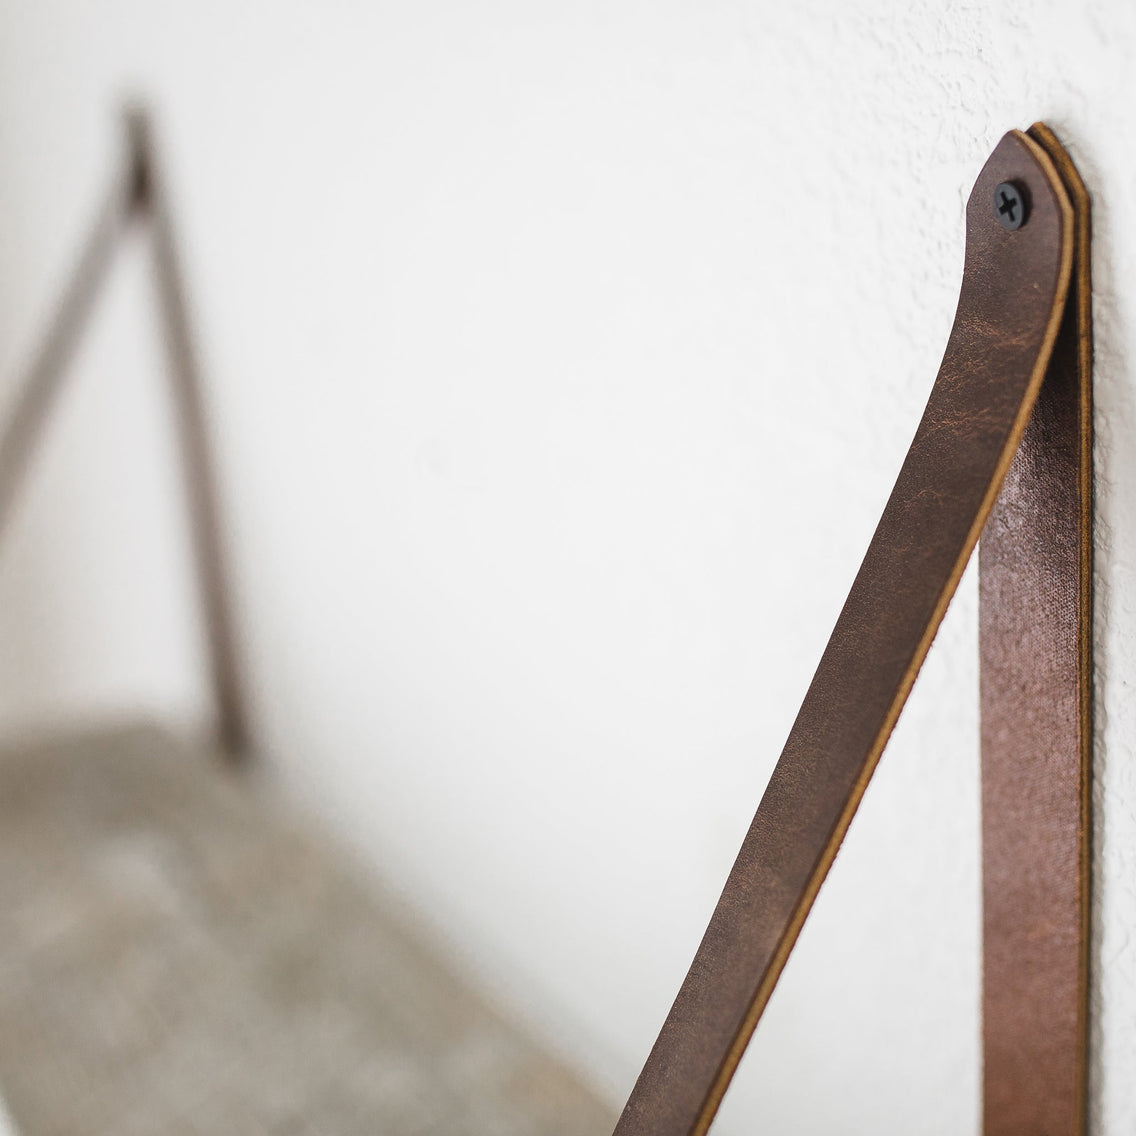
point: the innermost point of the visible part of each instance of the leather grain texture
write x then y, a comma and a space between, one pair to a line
1035, 588
1012, 297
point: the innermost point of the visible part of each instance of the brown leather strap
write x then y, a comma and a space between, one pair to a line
1011, 303
1035, 587
138, 193
201, 482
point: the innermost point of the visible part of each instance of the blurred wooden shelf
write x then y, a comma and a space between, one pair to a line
178, 955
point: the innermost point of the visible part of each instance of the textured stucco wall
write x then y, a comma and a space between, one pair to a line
561, 359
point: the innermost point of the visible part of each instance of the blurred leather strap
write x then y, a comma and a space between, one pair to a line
1012, 304
138, 193
1035, 587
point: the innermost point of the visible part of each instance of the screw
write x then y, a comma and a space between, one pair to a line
1010, 205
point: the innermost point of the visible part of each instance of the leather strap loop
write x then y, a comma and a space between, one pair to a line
1011, 304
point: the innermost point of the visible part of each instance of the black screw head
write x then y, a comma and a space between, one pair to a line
1010, 205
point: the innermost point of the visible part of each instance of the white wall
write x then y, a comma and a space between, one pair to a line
561, 358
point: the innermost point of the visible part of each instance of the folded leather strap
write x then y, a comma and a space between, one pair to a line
1034, 686
138, 193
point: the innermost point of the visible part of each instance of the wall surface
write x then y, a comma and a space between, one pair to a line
560, 360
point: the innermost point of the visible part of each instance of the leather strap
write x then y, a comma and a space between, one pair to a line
1035, 612
138, 193
1011, 305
